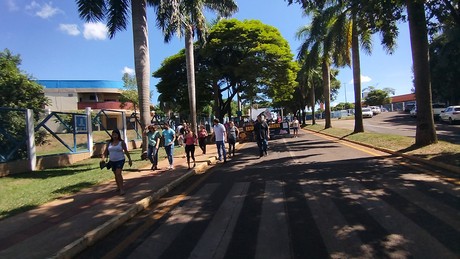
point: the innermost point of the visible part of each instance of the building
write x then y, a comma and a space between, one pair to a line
403, 102
73, 95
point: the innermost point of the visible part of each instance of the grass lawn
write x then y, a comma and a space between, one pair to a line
442, 151
25, 191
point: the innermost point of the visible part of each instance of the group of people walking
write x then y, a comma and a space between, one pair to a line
116, 148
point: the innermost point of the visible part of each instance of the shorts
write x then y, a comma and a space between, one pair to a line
117, 164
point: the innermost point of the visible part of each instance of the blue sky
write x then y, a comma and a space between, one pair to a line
54, 43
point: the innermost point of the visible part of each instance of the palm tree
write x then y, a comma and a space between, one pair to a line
182, 17
425, 132
116, 14
324, 45
354, 22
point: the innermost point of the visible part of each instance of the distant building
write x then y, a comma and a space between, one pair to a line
403, 102
73, 95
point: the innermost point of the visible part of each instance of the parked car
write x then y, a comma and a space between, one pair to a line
438, 108
451, 114
375, 110
413, 112
367, 113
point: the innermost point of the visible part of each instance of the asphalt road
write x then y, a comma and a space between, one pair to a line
401, 124
311, 197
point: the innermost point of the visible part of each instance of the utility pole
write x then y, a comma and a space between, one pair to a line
345, 85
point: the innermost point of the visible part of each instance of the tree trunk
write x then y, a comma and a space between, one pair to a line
359, 126
313, 102
217, 104
141, 61
426, 132
190, 61
327, 92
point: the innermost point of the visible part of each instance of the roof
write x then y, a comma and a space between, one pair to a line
403, 98
95, 84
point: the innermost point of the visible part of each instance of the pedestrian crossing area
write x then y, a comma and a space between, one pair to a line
301, 218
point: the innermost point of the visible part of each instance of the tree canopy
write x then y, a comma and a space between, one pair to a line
245, 57
18, 89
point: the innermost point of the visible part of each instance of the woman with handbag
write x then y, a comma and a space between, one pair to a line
116, 150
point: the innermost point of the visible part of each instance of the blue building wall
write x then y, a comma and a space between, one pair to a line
97, 84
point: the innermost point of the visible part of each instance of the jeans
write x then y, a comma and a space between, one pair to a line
170, 152
221, 148
231, 146
263, 144
152, 154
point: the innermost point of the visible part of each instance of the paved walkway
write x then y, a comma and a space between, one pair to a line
66, 226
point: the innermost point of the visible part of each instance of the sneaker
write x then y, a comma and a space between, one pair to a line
171, 167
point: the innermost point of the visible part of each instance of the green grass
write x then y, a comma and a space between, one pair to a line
441, 152
22, 192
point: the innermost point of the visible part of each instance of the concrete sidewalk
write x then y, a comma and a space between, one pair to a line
64, 227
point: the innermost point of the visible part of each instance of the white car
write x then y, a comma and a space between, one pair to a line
367, 113
413, 112
438, 108
451, 114
375, 109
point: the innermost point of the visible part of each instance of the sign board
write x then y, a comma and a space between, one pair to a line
81, 124
276, 130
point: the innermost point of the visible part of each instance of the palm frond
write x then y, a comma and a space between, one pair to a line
92, 10
117, 16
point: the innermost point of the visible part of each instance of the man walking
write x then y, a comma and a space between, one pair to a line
220, 134
262, 134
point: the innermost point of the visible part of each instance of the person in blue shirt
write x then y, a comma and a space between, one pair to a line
169, 136
153, 138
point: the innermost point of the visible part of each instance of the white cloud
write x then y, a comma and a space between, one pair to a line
364, 79
11, 5
95, 31
129, 71
44, 11
70, 29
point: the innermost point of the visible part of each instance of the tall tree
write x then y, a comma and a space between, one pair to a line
250, 58
116, 14
187, 18
425, 132
324, 44
356, 20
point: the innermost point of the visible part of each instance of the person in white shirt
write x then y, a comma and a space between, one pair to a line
220, 135
295, 126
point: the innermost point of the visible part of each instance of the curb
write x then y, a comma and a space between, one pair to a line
91, 237
451, 168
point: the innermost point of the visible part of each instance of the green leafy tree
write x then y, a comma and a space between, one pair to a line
445, 66
116, 13
173, 88
377, 97
250, 58
130, 93
19, 91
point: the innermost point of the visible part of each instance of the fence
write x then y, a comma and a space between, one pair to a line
20, 151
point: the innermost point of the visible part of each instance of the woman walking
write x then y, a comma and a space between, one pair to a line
116, 150
190, 140
202, 135
232, 136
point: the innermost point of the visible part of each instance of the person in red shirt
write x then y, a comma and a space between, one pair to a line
202, 135
190, 140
